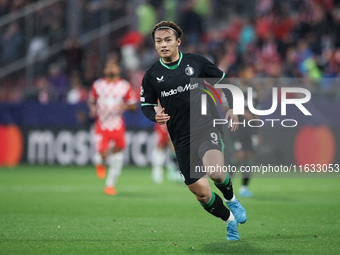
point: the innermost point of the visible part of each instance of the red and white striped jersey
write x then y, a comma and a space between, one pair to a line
108, 97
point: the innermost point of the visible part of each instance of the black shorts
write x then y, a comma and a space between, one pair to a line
190, 159
244, 139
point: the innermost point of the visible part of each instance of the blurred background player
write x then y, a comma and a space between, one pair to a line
109, 98
160, 153
244, 142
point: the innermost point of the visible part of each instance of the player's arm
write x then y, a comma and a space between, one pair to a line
131, 107
158, 108
211, 70
233, 118
93, 108
159, 117
92, 102
128, 107
149, 102
149, 112
130, 101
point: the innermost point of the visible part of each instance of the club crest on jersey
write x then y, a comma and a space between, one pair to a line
189, 71
160, 79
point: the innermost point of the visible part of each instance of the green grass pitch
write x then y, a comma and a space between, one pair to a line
63, 210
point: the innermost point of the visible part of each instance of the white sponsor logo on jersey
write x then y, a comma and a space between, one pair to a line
179, 89
160, 79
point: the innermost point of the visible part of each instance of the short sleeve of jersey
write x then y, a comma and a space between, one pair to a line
130, 97
210, 70
148, 95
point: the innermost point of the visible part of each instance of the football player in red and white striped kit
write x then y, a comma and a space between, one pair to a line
109, 98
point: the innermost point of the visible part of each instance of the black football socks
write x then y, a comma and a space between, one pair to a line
216, 207
226, 188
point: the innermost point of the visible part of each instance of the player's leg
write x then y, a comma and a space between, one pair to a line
210, 201
223, 182
172, 164
244, 188
100, 166
158, 159
215, 157
159, 154
213, 204
240, 157
102, 151
240, 143
249, 145
115, 162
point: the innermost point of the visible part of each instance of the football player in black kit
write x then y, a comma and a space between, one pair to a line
246, 140
169, 81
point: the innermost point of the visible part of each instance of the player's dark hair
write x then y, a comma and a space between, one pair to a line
167, 25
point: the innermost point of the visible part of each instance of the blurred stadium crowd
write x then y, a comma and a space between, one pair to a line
259, 38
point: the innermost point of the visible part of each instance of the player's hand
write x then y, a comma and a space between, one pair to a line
93, 111
233, 120
161, 117
122, 108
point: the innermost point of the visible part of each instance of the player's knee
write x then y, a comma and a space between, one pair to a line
116, 149
217, 177
239, 155
104, 155
203, 197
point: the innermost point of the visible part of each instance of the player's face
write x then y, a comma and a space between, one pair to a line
166, 43
112, 69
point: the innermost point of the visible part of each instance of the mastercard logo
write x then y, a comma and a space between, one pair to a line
314, 145
11, 145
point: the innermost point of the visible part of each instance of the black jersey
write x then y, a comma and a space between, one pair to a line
171, 85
